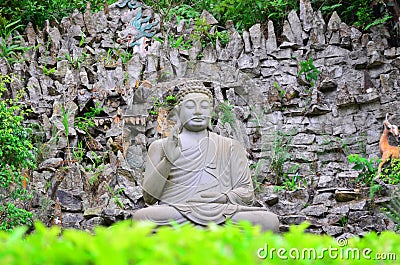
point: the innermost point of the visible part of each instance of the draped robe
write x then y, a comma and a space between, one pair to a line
218, 164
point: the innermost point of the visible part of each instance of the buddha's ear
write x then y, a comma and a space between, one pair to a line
176, 110
175, 113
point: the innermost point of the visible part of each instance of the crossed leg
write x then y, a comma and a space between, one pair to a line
164, 215
267, 220
159, 214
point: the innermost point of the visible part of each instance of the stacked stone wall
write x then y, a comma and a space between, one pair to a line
321, 123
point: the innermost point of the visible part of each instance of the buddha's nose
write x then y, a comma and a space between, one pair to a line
197, 110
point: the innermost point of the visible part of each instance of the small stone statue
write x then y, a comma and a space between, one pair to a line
196, 175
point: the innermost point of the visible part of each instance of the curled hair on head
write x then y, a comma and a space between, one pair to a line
193, 86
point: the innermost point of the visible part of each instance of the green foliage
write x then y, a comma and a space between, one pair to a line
380, 21
202, 32
86, 121
116, 196
391, 173
227, 115
168, 103
309, 70
76, 62
66, 114
78, 152
392, 210
346, 10
48, 72
280, 153
291, 180
360, 13
113, 55
137, 243
38, 11
179, 43
343, 221
94, 166
183, 12
256, 176
374, 189
247, 13
11, 43
124, 55
17, 154
206, 33
367, 168
281, 91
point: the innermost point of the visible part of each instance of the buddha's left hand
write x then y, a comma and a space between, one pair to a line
211, 197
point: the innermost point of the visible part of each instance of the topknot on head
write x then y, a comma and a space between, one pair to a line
193, 86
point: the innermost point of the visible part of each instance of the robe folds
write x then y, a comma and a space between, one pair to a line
218, 164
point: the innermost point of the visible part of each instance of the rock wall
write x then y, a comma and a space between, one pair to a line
257, 72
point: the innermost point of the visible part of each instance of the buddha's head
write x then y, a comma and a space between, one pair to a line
195, 106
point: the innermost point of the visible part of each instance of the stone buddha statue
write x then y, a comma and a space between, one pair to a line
197, 176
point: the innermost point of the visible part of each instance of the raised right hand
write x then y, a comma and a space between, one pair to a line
172, 147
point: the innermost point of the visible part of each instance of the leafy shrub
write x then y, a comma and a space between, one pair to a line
207, 34
367, 168
367, 172
183, 12
17, 154
391, 173
291, 181
38, 11
11, 43
247, 13
168, 104
364, 14
392, 210
137, 243
280, 155
86, 121
227, 115
310, 72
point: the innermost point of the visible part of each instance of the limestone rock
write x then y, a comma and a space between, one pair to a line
333, 230
93, 212
246, 40
92, 223
332, 33
235, 45
359, 206
68, 201
72, 220
315, 210
303, 138
317, 34
346, 195
355, 38
271, 41
306, 15
209, 54
271, 199
293, 219
340, 210
323, 198
296, 27
345, 35
210, 20
258, 41
287, 32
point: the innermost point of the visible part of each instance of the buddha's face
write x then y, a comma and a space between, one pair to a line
195, 111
